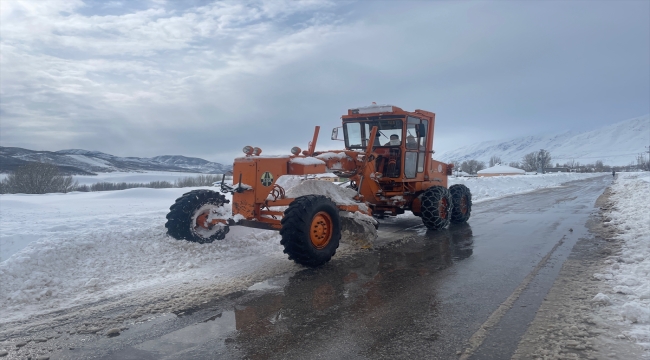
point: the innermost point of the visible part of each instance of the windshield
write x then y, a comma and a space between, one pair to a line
357, 134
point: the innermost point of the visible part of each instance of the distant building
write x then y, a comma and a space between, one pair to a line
556, 169
500, 170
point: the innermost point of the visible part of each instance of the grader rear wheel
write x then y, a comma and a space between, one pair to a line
311, 230
436, 207
462, 199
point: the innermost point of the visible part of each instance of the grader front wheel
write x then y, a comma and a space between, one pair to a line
188, 219
311, 230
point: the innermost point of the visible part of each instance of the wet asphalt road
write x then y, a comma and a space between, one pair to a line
420, 295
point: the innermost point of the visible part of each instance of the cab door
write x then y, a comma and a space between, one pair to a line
416, 135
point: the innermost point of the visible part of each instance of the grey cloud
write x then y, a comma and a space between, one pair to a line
200, 84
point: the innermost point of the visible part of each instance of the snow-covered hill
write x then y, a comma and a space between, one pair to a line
616, 144
78, 161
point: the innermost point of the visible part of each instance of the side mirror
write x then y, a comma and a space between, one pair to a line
335, 134
421, 130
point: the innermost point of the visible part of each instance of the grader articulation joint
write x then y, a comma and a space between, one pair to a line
387, 159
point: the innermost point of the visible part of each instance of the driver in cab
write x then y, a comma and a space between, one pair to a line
394, 140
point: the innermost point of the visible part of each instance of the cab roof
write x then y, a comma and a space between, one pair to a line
385, 109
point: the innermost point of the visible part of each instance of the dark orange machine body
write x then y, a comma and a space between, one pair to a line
387, 158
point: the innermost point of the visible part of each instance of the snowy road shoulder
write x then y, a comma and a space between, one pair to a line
490, 188
626, 292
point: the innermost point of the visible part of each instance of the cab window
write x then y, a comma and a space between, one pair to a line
357, 134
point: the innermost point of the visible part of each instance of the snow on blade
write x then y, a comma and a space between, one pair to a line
339, 194
331, 155
355, 227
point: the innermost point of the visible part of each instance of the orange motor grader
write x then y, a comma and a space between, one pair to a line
387, 159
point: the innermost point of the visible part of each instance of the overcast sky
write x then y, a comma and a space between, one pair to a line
205, 78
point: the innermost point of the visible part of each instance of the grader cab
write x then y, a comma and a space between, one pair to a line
387, 159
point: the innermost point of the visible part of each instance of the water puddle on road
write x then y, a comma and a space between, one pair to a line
187, 338
269, 284
274, 315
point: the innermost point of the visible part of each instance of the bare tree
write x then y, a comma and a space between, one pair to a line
480, 165
472, 166
529, 161
39, 178
571, 164
599, 166
515, 164
536, 160
4, 187
543, 159
495, 160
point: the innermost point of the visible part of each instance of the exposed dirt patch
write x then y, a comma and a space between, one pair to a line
566, 325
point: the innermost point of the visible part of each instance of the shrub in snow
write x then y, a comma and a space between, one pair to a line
37, 178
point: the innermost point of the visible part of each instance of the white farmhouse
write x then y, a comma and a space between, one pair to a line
500, 170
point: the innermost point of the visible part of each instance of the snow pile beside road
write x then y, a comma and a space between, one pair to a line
487, 188
62, 250
629, 271
89, 247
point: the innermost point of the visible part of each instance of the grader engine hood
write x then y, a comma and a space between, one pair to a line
255, 177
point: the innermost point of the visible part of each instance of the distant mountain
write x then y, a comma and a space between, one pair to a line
616, 144
78, 161
192, 163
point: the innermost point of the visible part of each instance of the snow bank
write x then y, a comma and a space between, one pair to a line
63, 250
629, 271
486, 188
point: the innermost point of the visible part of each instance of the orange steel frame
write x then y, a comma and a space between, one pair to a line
258, 192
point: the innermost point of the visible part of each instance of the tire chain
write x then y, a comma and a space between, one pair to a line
430, 200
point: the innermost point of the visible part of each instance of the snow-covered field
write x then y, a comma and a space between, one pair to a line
133, 177
63, 250
627, 277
